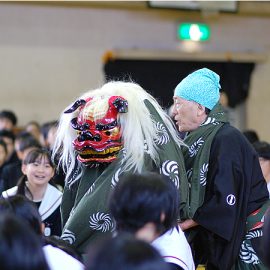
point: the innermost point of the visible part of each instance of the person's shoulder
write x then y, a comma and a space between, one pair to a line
228, 129
10, 192
58, 259
9, 167
231, 135
14, 158
54, 190
229, 140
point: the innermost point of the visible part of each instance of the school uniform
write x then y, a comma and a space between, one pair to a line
58, 259
174, 248
49, 208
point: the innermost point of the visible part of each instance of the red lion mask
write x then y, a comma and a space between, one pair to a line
99, 134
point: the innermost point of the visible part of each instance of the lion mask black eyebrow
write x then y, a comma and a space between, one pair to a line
75, 106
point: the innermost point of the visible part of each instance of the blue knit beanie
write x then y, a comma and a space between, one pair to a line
201, 86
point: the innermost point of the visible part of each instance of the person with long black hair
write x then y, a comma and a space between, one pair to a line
38, 170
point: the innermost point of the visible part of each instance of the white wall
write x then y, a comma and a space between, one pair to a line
50, 54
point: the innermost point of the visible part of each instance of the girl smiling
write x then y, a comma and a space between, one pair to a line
38, 170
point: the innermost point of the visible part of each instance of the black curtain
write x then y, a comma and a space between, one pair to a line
160, 77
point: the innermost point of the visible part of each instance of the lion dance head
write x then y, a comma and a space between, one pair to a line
106, 122
98, 130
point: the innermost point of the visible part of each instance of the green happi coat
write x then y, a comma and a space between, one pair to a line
85, 204
196, 157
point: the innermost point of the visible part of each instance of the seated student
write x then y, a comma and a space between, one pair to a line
24, 143
3, 155
49, 131
34, 129
8, 137
56, 255
124, 253
265, 245
251, 135
45, 128
8, 120
20, 247
263, 150
147, 205
38, 170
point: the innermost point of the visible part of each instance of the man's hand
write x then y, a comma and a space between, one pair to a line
187, 224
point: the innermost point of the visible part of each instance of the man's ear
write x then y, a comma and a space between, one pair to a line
201, 110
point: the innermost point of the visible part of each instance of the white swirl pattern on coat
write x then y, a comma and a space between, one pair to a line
170, 168
100, 222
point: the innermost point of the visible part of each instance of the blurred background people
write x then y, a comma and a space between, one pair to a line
24, 143
251, 135
49, 130
51, 136
8, 120
45, 128
9, 138
34, 128
263, 150
3, 155
59, 177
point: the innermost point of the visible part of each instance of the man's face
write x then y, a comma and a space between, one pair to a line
186, 114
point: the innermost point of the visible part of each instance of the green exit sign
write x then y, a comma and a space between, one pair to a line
193, 31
